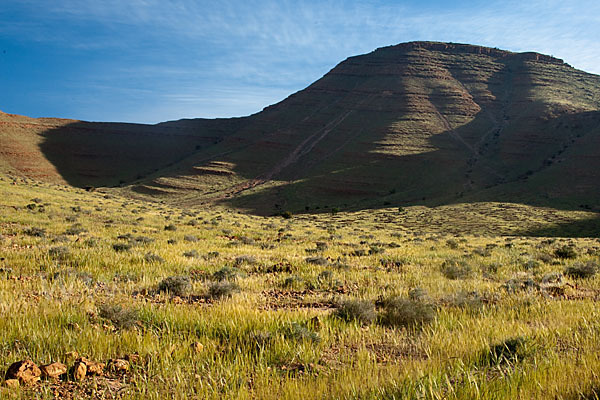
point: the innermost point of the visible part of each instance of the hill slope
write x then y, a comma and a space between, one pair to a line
416, 123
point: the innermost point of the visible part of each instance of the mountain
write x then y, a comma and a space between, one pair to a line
416, 123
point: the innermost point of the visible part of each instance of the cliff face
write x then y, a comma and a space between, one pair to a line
419, 122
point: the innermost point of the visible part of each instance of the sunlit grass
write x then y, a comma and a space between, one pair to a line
278, 337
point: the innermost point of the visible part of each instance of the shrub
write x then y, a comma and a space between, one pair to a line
452, 244
190, 238
170, 227
565, 252
362, 311
223, 289
60, 252
456, 269
286, 214
153, 258
293, 281
418, 294
35, 232
75, 229
521, 281
141, 240
300, 332
227, 274
400, 312
121, 247
467, 300
581, 270
316, 260
122, 318
245, 259
211, 255
511, 350
175, 285
191, 254
552, 278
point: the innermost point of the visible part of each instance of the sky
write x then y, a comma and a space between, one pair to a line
157, 60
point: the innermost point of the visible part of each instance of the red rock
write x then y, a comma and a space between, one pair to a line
25, 371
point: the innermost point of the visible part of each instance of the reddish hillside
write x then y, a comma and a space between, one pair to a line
419, 122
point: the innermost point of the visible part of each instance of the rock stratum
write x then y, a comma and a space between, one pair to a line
416, 123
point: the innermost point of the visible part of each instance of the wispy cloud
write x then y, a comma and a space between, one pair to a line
265, 50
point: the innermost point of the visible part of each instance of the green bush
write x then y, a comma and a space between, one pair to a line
406, 313
362, 311
175, 285
456, 269
581, 270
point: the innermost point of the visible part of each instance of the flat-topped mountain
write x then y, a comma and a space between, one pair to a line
415, 123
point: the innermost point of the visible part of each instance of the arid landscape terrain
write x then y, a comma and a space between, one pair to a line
422, 222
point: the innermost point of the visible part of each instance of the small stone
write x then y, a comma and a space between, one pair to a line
118, 365
93, 368
198, 347
79, 370
25, 371
53, 370
11, 383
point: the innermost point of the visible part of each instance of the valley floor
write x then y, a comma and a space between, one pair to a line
456, 302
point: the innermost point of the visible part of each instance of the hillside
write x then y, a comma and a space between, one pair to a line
99, 154
416, 123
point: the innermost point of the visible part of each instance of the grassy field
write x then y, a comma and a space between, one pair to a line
421, 303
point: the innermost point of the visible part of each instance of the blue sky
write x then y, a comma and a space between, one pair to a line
157, 60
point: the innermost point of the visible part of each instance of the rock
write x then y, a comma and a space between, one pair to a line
25, 371
79, 370
197, 347
93, 368
53, 370
118, 365
11, 383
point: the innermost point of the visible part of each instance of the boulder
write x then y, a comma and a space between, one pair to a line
93, 368
79, 370
25, 371
53, 370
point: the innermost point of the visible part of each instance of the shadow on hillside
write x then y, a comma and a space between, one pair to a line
344, 169
582, 228
111, 154
504, 167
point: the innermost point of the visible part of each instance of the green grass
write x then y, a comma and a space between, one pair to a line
270, 341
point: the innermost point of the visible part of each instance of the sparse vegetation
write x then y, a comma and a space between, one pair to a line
406, 313
175, 285
582, 270
362, 311
222, 289
121, 317
456, 269
313, 325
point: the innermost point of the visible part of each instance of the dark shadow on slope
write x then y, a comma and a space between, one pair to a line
541, 171
581, 228
111, 154
344, 120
